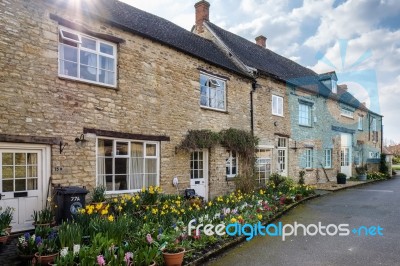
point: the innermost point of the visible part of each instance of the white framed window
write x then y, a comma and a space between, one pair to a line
328, 158
212, 92
277, 105
360, 122
309, 158
263, 164
127, 165
86, 58
374, 124
347, 112
304, 114
232, 164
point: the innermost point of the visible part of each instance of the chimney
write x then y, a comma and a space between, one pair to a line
202, 13
261, 41
343, 87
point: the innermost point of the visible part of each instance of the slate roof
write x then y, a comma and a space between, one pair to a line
147, 25
273, 64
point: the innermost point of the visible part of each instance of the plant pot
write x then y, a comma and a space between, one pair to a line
174, 259
362, 177
3, 239
42, 225
341, 180
153, 263
26, 259
45, 259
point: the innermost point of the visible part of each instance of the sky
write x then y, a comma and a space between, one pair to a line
359, 39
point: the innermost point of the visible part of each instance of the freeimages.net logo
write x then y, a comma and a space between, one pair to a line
282, 230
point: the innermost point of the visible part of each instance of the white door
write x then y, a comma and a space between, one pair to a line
345, 154
282, 157
23, 181
199, 172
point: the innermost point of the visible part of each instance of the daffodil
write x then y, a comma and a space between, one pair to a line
111, 218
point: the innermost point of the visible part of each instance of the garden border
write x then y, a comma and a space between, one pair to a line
236, 241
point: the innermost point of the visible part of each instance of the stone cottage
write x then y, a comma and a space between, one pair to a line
304, 121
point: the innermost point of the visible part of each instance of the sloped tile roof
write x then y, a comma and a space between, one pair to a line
273, 64
142, 23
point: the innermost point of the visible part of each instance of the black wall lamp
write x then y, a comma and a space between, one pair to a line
81, 139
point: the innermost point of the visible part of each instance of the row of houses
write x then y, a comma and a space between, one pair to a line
102, 93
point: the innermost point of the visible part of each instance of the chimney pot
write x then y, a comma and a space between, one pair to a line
261, 41
202, 14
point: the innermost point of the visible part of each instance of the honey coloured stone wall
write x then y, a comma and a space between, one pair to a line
158, 94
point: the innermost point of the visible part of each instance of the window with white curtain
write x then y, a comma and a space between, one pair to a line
126, 165
304, 114
85, 58
212, 92
277, 105
232, 164
309, 158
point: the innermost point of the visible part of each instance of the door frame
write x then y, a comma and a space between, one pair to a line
348, 145
205, 172
45, 151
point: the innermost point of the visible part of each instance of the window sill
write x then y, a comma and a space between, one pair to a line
213, 109
117, 192
348, 116
278, 115
309, 126
68, 78
360, 130
230, 177
309, 169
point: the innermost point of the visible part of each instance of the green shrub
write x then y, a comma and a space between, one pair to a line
245, 184
341, 175
276, 179
301, 177
376, 176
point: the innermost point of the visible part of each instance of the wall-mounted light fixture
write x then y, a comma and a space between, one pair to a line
81, 139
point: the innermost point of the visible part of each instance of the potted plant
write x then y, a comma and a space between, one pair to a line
3, 233
26, 247
44, 217
341, 178
98, 195
362, 172
149, 196
173, 254
6, 217
47, 248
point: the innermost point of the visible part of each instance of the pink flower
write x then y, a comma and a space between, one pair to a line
100, 260
128, 257
149, 238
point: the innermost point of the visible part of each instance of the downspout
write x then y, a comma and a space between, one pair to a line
253, 89
381, 135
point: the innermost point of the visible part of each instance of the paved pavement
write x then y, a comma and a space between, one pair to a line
369, 205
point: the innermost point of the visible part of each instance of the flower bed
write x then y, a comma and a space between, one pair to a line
128, 229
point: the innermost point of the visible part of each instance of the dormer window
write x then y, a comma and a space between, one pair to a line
334, 86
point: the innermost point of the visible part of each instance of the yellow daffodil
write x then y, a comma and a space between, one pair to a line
259, 216
111, 218
233, 220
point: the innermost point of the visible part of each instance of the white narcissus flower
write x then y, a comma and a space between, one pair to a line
77, 248
64, 252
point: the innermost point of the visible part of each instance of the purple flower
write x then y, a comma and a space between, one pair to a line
149, 238
27, 236
128, 257
38, 240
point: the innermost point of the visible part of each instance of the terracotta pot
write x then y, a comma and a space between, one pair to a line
3, 239
152, 264
174, 259
45, 259
26, 258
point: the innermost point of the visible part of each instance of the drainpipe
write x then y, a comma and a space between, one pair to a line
381, 135
253, 89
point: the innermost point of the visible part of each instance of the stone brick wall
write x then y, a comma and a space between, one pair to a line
158, 94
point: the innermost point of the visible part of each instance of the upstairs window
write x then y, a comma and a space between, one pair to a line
86, 58
212, 92
374, 131
334, 86
304, 114
277, 105
360, 123
347, 112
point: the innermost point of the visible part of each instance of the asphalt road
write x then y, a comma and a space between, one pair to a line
369, 205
